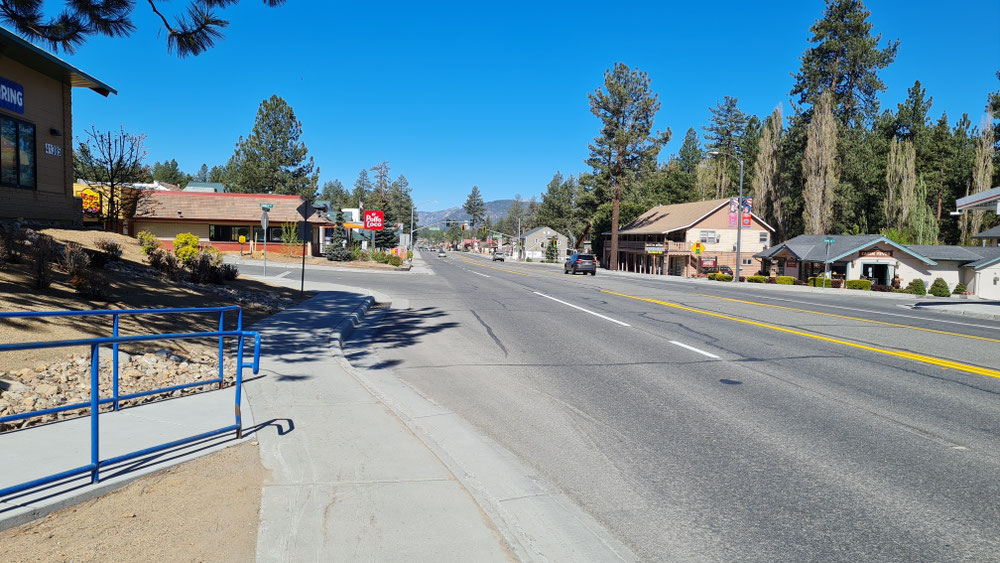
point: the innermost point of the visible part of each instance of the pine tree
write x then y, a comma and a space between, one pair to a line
941, 151
218, 174
900, 179
381, 185
362, 190
336, 249
626, 147
401, 203
767, 198
169, 172
690, 155
475, 206
724, 134
819, 168
272, 159
844, 61
336, 194
202, 174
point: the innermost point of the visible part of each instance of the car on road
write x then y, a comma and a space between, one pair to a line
718, 270
585, 263
442, 254
498, 256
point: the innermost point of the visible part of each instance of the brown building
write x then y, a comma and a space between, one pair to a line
220, 219
36, 132
660, 240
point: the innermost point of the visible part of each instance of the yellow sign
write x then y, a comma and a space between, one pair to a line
243, 239
698, 248
91, 201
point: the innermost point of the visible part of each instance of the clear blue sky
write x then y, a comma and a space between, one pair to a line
495, 96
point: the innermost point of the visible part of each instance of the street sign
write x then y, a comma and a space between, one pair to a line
263, 223
267, 206
374, 220
829, 240
698, 248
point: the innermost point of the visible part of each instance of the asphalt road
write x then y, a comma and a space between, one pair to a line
702, 422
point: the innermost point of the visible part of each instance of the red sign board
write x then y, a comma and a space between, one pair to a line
708, 262
875, 253
374, 220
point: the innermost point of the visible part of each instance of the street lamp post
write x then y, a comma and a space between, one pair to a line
412, 208
739, 216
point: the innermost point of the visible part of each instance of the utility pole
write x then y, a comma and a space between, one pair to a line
519, 239
739, 214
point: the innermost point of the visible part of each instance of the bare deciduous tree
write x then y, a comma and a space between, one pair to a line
109, 161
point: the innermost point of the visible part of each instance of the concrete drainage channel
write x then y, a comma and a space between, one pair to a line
536, 520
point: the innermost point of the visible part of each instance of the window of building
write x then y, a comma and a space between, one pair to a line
763, 236
709, 237
273, 234
228, 233
17, 153
748, 261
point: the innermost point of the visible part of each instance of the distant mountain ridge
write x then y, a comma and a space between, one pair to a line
495, 210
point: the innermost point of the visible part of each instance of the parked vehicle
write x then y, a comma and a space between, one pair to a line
498, 256
585, 263
442, 254
718, 270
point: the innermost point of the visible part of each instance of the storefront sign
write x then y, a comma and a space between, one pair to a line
54, 150
708, 262
11, 96
374, 220
91, 201
876, 253
654, 248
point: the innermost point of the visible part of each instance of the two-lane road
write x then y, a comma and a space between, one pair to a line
701, 422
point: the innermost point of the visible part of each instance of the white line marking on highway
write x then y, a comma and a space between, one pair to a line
478, 274
582, 309
283, 274
693, 349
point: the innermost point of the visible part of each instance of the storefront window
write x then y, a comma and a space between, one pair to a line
227, 233
273, 234
17, 153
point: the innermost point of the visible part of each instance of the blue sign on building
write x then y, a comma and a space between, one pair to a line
11, 96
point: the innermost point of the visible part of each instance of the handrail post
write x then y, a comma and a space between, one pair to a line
222, 327
95, 410
239, 385
114, 362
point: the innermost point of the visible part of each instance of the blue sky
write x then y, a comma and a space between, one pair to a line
495, 95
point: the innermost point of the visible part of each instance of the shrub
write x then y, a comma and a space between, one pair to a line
527, 259
74, 259
214, 254
786, 280
13, 243
917, 287
148, 241
711, 276
111, 248
757, 279
90, 284
772, 279
166, 263
939, 288
395, 261
960, 289
290, 241
837, 284
820, 282
863, 285
723, 277
229, 272
186, 247
356, 253
409, 255
882, 288
203, 270
43, 254
338, 253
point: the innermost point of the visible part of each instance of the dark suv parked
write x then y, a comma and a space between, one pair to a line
581, 263
718, 270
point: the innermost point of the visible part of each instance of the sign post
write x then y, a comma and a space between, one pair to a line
826, 275
263, 225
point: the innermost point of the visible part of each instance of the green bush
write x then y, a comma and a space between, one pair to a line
864, 285
395, 261
147, 241
916, 287
711, 276
785, 280
356, 253
820, 282
528, 259
939, 288
111, 248
723, 277
186, 247
757, 279
960, 289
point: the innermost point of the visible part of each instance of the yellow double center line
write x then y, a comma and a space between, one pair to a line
895, 353
474, 263
845, 317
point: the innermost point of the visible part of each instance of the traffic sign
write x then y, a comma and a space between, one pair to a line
267, 206
829, 240
263, 222
374, 220
698, 248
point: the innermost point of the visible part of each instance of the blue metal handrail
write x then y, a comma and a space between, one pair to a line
96, 401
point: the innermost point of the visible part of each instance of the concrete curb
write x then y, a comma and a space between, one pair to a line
346, 327
973, 314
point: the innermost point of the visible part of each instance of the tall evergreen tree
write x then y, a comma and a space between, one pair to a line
381, 185
941, 151
724, 134
169, 172
475, 206
690, 155
218, 174
272, 159
627, 146
819, 168
336, 194
845, 60
202, 174
767, 198
362, 191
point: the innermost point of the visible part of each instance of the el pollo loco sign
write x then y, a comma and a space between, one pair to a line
374, 220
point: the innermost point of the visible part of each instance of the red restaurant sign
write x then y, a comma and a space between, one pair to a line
374, 220
875, 253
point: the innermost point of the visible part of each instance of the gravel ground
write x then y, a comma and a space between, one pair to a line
184, 513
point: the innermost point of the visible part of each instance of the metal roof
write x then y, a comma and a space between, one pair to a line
16, 48
990, 233
811, 248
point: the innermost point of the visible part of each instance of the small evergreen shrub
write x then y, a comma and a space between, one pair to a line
166, 263
820, 282
229, 272
112, 249
786, 280
186, 247
960, 289
723, 277
917, 287
90, 284
757, 279
148, 242
864, 285
711, 276
395, 261
939, 288
203, 271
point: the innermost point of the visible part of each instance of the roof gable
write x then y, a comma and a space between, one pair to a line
211, 206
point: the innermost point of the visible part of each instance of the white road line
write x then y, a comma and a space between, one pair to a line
283, 274
582, 309
478, 274
693, 349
